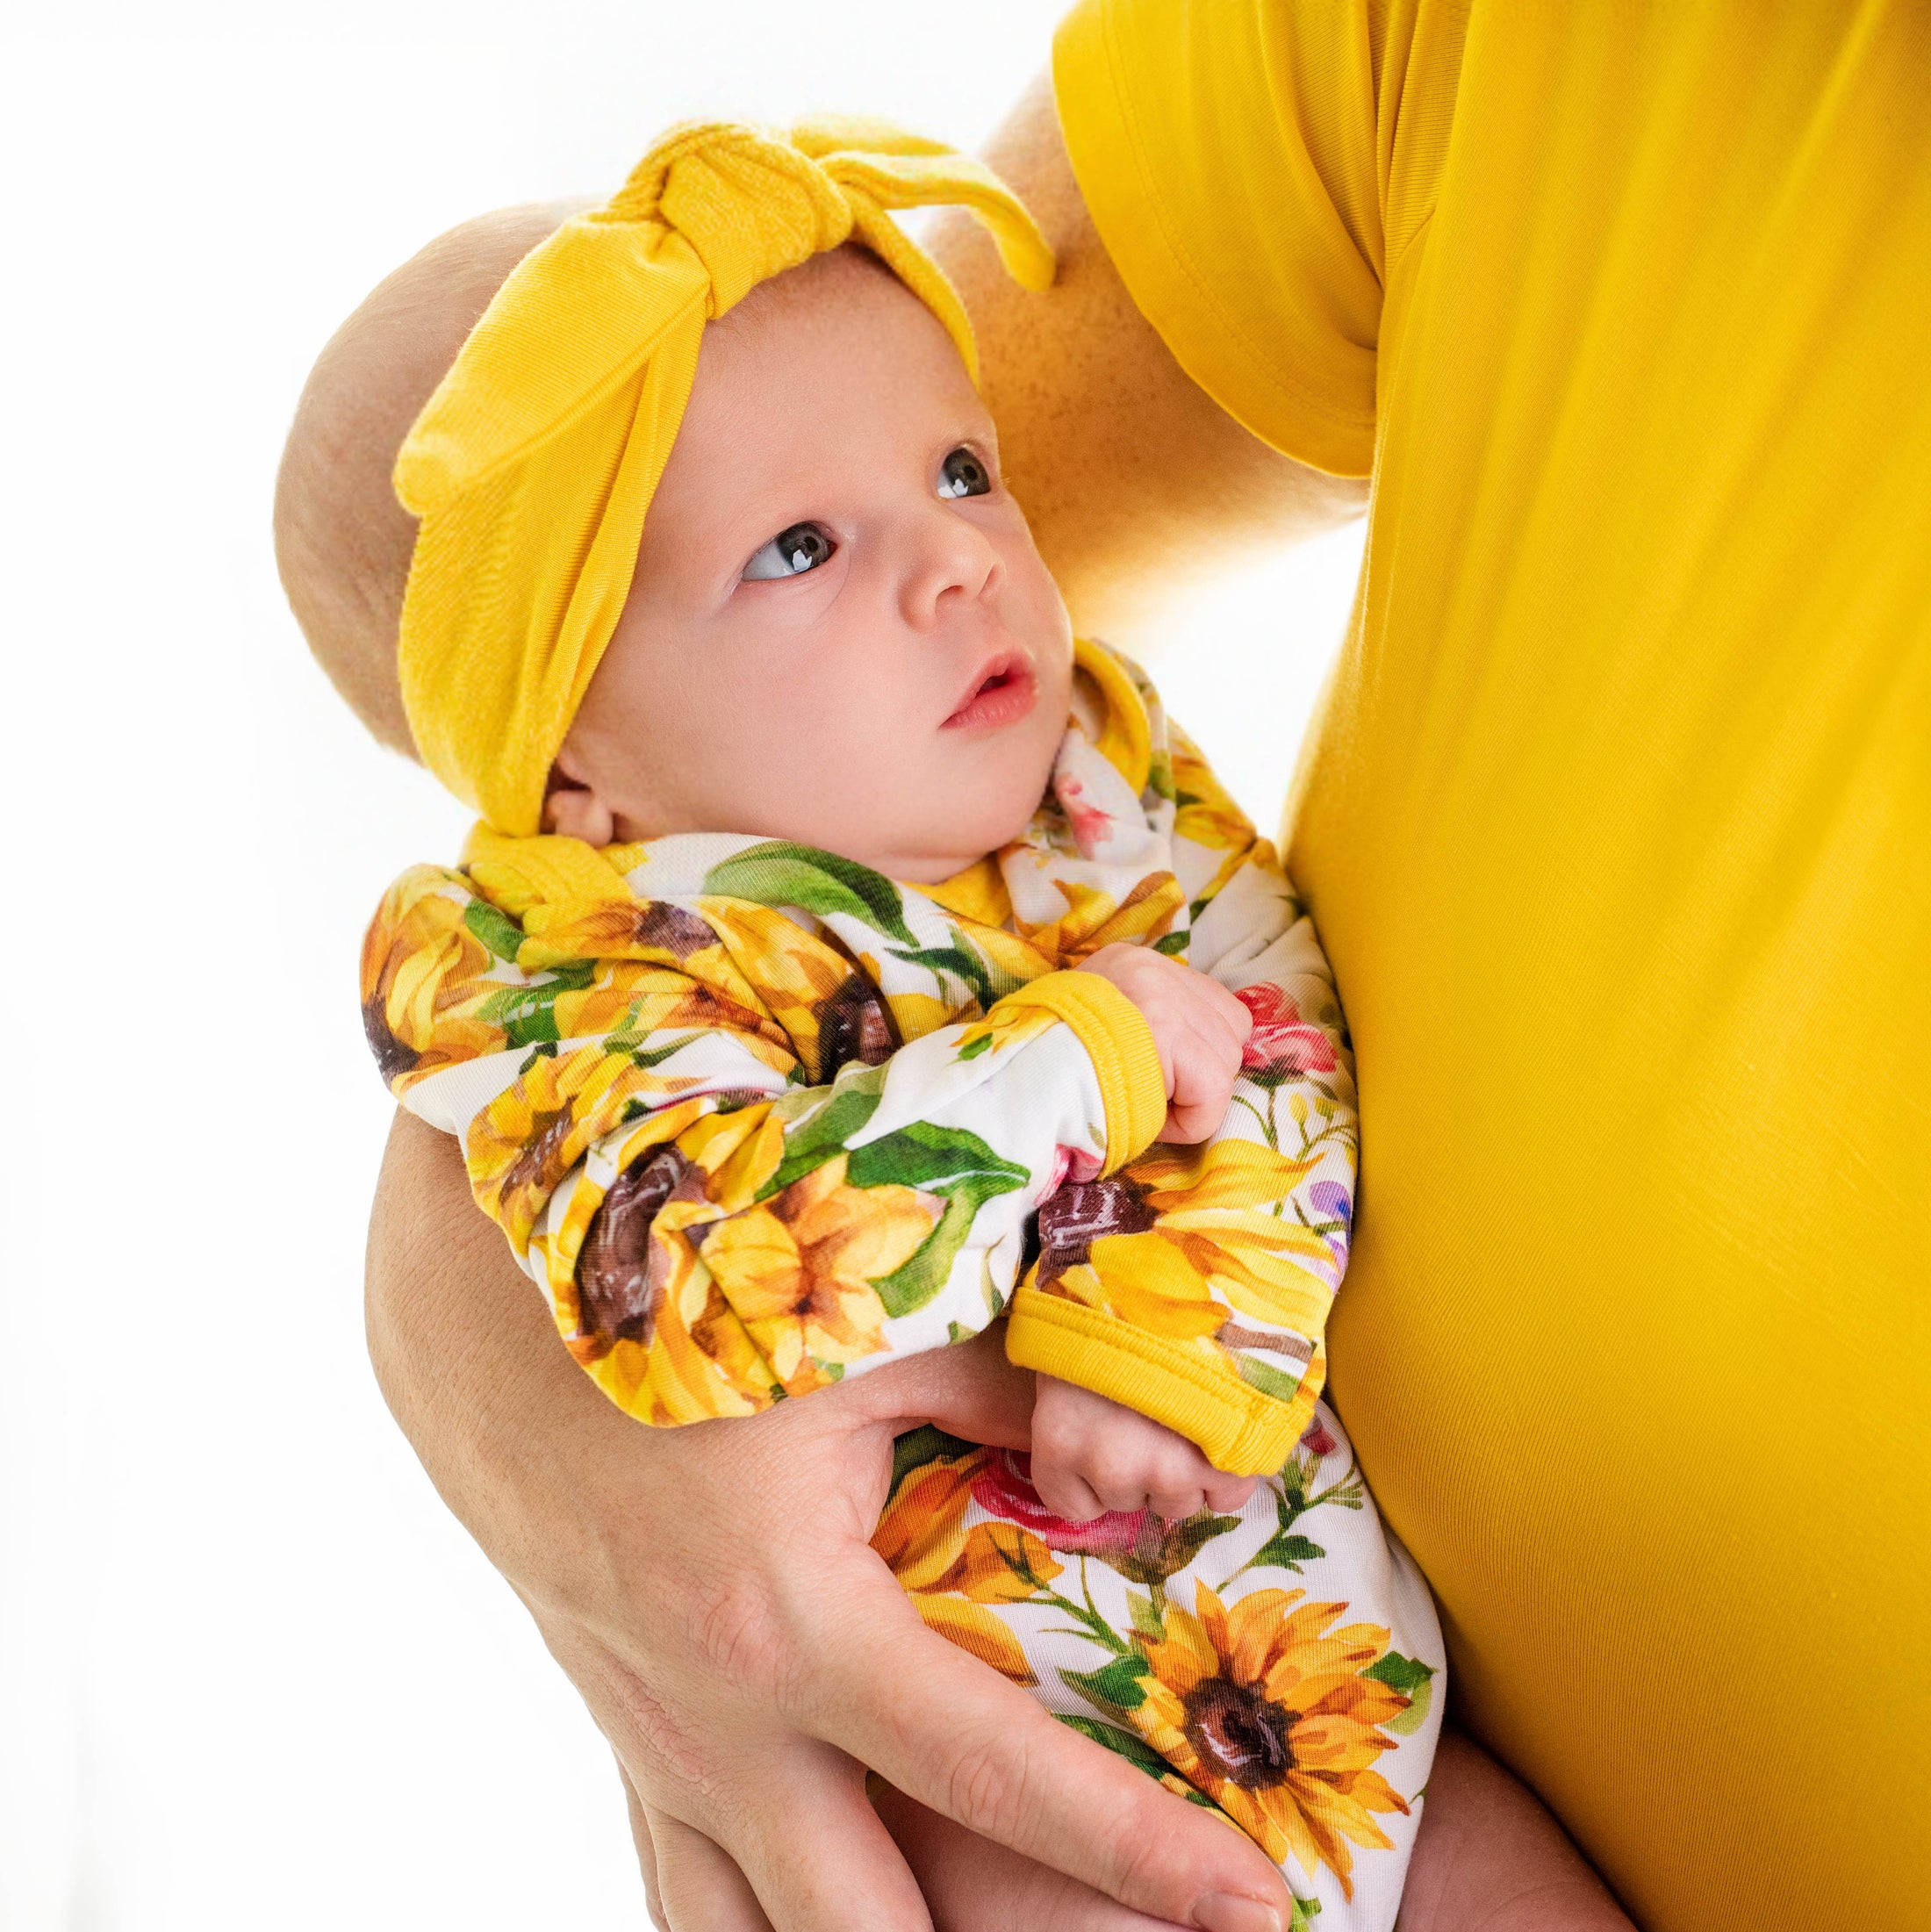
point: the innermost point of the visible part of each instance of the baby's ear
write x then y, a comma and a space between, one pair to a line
576, 811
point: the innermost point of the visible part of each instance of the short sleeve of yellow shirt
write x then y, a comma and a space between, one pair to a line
1236, 133
1616, 827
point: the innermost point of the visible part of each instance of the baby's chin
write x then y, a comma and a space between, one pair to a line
937, 849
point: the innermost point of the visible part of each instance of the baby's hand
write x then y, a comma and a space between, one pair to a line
1198, 1026
1090, 1455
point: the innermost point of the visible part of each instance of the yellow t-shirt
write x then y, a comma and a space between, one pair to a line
1616, 827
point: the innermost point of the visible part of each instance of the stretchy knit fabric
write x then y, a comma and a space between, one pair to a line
1618, 829
759, 1119
532, 467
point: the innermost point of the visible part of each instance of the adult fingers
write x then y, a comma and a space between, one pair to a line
948, 1732
770, 1819
699, 1888
647, 1851
969, 1389
816, 1855
973, 1886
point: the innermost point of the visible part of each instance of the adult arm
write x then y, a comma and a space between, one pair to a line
1132, 477
711, 1591
1135, 481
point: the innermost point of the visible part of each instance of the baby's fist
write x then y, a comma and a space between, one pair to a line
1090, 1455
1198, 1027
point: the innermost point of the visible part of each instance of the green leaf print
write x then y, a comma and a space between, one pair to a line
779, 873
1415, 1680
908, 1286
496, 929
1173, 944
1116, 1684
824, 1134
958, 961
937, 1158
527, 1014
947, 1161
917, 1448
1400, 1673
1269, 1381
1146, 1620
1282, 1551
1135, 1750
1306, 1911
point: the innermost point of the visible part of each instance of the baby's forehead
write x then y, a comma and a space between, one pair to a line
837, 342
821, 323
848, 280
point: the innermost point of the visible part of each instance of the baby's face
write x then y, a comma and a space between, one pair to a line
839, 632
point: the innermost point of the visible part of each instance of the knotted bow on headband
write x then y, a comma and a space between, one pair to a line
532, 466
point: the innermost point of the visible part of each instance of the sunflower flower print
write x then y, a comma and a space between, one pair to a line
1269, 1707
800, 1268
757, 1119
916, 1090
1276, 1665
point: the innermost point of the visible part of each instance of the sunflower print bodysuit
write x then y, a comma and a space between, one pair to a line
758, 1118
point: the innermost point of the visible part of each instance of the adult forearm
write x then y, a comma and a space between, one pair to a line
1133, 479
512, 1432
711, 1591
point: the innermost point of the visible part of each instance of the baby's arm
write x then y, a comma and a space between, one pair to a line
1089, 1455
716, 1230
1194, 1285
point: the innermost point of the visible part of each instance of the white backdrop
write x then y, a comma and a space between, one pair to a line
251, 1674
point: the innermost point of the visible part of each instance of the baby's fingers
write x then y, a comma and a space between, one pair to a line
1065, 1492
1225, 1494
1205, 1067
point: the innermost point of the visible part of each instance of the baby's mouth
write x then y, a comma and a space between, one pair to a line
1003, 693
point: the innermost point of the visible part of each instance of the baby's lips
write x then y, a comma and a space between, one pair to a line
1002, 694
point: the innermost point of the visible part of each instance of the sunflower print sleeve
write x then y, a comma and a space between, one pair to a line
1193, 1284
700, 1121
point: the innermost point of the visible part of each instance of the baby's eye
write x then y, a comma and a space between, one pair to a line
963, 475
791, 553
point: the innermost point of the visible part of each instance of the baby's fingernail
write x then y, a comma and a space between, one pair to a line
1225, 1911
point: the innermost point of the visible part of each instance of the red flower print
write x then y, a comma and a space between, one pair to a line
1144, 1549
1004, 1488
1071, 1167
1281, 1043
1090, 822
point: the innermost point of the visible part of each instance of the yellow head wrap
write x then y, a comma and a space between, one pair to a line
532, 466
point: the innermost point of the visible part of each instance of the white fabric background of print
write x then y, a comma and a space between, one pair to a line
251, 1672
1363, 1565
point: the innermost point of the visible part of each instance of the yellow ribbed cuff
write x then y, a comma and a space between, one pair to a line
1239, 1430
1120, 1044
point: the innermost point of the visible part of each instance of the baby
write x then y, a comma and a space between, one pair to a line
849, 959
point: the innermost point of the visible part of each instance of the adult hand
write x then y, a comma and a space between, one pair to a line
712, 1593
